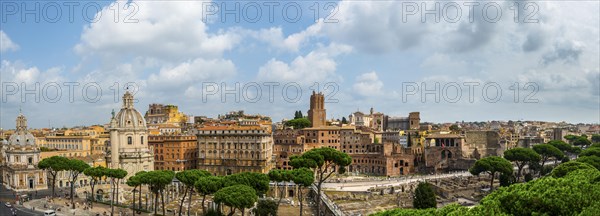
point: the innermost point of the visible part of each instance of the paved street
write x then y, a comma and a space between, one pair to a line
10, 196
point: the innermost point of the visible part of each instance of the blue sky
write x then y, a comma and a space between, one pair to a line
369, 53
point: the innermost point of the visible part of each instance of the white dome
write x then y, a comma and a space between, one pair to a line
21, 136
128, 117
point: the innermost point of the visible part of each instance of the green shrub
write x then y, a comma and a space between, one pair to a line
575, 193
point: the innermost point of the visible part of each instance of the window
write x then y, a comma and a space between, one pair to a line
142, 139
129, 140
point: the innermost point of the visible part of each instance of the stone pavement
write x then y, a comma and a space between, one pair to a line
60, 205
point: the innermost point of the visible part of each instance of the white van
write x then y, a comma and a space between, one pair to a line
49, 213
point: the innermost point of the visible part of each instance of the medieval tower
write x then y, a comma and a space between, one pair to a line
316, 113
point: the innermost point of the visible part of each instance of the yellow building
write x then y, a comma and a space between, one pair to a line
75, 142
161, 114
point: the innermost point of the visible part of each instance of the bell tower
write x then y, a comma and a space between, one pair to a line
316, 113
21, 123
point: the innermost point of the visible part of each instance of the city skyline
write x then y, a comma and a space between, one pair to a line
365, 52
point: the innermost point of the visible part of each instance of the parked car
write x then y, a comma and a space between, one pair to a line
49, 213
7, 204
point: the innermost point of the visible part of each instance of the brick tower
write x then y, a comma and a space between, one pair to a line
316, 113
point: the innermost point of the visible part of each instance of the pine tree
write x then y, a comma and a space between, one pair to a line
424, 196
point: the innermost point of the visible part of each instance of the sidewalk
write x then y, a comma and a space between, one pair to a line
59, 204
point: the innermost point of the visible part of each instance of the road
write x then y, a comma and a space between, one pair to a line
19, 211
10, 196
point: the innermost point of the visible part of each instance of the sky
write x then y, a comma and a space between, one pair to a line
68, 63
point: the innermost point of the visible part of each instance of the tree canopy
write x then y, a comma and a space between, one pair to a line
96, 174
591, 160
54, 165
116, 173
565, 168
278, 175
344, 120
576, 192
521, 157
265, 207
492, 165
258, 181
570, 137
298, 123
157, 180
75, 167
454, 127
324, 162
303, 177
548, 151
582, 141
590, 152
563, 146
298, 114
237, 197
189, 178
424, 196
208, 185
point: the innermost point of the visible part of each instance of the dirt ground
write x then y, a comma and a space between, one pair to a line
285, 210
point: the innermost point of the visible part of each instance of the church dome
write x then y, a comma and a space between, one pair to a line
21, 136
128, 117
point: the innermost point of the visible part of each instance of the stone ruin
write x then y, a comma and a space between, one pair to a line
463, 190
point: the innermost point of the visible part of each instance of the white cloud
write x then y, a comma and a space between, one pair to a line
292, 43
374, 27
368, 84
6, 44
316, 66
19, 73
164, 30
192, 72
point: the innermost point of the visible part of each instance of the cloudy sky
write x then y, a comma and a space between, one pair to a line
451, 61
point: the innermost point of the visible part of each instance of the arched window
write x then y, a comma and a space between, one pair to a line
129, 140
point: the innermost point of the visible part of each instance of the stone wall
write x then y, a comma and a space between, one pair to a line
480, 144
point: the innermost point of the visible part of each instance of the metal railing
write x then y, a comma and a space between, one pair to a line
328, 203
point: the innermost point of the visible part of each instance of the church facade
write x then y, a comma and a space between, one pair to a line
20, 156
128, 147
